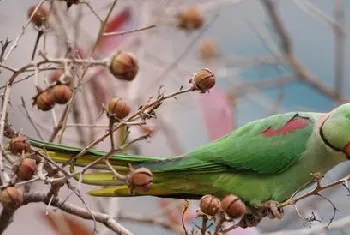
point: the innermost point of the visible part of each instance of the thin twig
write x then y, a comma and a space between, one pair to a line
3, 175
30, 118
15, 42
287, 48
340, 45
316, 191
78, 211
119, 33
339, 224
174, 64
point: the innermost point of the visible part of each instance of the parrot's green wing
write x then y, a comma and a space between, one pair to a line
267, 146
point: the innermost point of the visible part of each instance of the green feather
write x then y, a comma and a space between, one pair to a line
236, 153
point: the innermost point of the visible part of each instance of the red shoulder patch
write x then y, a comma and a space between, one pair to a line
296, 123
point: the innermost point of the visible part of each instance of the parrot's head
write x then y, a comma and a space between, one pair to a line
334, 129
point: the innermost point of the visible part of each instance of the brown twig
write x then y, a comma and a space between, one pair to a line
219, 224
317, 190
175, 63
30, 118
340, 42
78, 211
119, 33
132, 117
3, 175
287, 48
264, 84
64, 116
145, 220
24, 27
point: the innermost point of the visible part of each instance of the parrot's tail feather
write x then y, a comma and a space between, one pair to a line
124, 191
165, 185
118, 161
101, 179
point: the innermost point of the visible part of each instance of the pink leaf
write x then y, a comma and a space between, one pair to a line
217, 113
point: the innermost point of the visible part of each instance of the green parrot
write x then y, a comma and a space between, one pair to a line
265, 160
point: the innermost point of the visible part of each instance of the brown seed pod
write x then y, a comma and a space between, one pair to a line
19, 144
39, 18
204, 80
44, 100
11, 197
208, 50
140, 180
209, 205
61, 93
190, 19
118, 108
26, 169
124, 66
233, 206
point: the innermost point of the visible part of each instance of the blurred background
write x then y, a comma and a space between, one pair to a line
238, 42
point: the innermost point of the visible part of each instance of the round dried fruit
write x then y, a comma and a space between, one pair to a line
11, 197
26, 169
124, 66
233, 206
208, 50
190, 19
44, 100
19, 144
204, 80
39, 18
140, 180
61, 94
118, 108
209, 205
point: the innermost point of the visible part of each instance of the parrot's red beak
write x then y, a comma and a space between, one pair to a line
347, 151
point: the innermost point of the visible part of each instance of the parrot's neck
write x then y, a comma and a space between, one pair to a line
317, 158
325, 158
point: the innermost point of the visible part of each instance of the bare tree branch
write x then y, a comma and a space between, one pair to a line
74, 210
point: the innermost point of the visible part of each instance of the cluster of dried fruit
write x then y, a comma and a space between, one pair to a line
231, 205
12, 197
28, 166
56, 94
